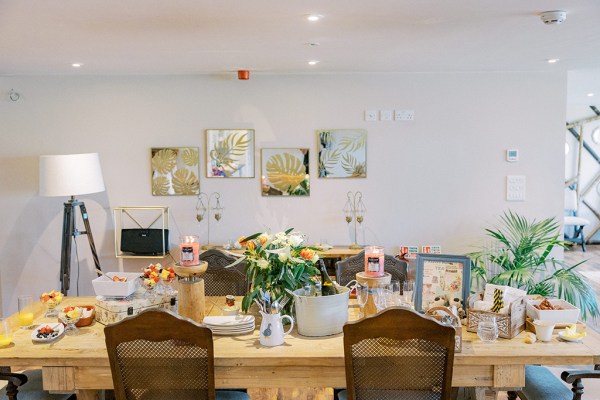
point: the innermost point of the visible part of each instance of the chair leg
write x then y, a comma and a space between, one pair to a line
582, 240
14, 381
511, 395
577, 389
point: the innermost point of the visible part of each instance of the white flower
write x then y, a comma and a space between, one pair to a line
296, 239
262, 263
282, 257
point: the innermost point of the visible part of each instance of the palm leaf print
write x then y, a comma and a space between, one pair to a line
328, 159
352, 168
164, 160
353, 142
285, 171
226, 152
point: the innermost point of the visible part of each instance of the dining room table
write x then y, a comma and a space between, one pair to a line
302, 368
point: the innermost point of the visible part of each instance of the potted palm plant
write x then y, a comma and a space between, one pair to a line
521, 258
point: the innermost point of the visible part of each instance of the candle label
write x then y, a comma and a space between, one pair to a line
373, 264
187, 253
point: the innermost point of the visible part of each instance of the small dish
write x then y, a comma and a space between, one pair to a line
563, 336
57, 330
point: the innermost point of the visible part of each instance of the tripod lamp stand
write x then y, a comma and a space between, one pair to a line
71, 175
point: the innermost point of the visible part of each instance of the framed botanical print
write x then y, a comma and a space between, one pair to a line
442, 280
342, 153
285, 172
230, 153
175, 171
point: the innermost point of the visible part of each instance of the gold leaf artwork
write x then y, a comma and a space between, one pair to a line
227, 152
285, 171
185, 182
160, 186
164, 160
190, 157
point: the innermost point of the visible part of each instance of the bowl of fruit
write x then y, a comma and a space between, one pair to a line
51, 300
116, 284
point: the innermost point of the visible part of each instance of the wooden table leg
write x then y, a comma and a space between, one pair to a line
89, 394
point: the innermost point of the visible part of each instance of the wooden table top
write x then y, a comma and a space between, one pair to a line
88, 347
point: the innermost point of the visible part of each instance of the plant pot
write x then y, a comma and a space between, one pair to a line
321, 315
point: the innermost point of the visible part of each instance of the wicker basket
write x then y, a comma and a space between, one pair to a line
509, 325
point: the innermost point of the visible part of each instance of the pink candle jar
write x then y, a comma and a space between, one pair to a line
374, 256
189, 247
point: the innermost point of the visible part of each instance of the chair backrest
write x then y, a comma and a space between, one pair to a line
159, 355
345, 270
221, 281
398, 353
571, 200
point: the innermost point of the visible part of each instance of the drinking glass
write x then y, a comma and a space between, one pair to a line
408, 290
380, 297
395, 288
487, 329
25, 312
5, 333
362, 296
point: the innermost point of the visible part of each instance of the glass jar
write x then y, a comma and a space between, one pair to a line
189, 247
374, 257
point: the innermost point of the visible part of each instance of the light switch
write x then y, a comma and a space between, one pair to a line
515, 187
385, 115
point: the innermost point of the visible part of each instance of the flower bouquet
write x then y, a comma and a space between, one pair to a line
275, 264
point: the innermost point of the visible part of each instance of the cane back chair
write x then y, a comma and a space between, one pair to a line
221, 281
398, 354
346, 270
158, 355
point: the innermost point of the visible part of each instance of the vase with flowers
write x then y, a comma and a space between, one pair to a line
276, 265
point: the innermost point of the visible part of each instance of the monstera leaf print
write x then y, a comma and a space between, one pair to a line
225, 153
285, 171
160, 186
190, 157
164, 160
185, 182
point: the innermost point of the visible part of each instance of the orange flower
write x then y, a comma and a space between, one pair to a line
307, 254
242, 240
250, 245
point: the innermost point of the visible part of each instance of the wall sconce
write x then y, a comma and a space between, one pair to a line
216, 210
355, 210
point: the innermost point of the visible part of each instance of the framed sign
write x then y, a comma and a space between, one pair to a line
442, 280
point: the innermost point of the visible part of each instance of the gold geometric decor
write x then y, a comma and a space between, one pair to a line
175, 171
342, 153
285, 172
230, 153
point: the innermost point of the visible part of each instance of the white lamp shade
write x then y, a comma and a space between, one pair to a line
70, 175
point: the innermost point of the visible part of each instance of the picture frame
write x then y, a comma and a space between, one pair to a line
285, 172
230, 153
439, 277
175, 171
342, 153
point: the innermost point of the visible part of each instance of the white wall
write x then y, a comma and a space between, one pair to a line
437, 180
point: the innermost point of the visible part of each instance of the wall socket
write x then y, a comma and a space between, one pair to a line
404, 115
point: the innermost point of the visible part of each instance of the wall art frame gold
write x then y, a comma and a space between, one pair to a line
342, 153
230, 153
285, 172
175, 171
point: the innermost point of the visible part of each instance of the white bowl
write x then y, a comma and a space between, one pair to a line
568, 315
105, 286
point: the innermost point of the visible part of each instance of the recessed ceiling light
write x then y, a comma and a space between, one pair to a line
553, 60
590, 94
76, 65
314, 17
313, 62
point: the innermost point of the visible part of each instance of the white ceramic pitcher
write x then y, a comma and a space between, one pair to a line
271, 329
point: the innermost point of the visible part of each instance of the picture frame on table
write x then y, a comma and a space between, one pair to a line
442, 280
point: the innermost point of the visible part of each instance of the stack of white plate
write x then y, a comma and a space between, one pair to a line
230, 324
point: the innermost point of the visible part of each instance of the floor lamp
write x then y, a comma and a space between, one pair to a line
71, 175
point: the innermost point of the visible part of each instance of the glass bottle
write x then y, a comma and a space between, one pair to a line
327, 286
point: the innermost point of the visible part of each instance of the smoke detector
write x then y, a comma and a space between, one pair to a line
553, 17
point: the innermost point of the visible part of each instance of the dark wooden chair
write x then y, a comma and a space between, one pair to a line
398, 354
345, 270
158, 355
541, 384
221, 281
27, 386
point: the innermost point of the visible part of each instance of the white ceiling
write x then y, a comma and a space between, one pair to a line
116, 37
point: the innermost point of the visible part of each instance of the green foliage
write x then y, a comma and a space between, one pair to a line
523, 261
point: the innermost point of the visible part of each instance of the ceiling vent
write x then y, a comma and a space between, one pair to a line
553, 17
